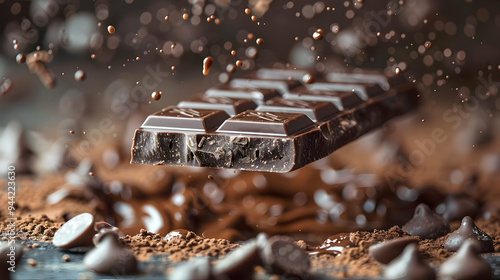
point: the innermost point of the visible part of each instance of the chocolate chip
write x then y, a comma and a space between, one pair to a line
466, 264
103, 230
240, 263
409, 266
469, 231
110, 257
457, 207
426, 224
281, 256
198, 268
76, 232
387, 251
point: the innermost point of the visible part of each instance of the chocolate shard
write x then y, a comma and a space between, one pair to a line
387, 251
281, 256
239, 263
426, 224
197, 269
76, 232
409, 266
293, 126
466, 264
111, 257
469, 231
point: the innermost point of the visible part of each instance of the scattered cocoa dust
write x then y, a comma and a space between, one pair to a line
145, 244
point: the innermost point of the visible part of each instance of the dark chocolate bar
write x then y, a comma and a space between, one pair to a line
276, 124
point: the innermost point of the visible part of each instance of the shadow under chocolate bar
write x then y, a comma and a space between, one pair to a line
274, 125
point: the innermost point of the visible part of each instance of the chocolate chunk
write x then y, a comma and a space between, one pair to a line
281, 256
387, 251
76, 232
409, 266
196, 269
457, 207
239, 264
333, 245
111, 257
278, 137
465, 265
469, 231
426, 224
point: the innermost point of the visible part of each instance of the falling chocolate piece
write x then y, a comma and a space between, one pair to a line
240, 263
457, 207
111, 257
387, 251
426, 224
276, 137
469, 231
409, 266
196, 269
334, 245
76, 232
281, 256
466, 264
36, 63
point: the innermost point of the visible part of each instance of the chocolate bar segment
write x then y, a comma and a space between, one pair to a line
284, 133
266, 123
232, 106
282, 86
341, 99
176, 118
259, 96
364, 91
315, 110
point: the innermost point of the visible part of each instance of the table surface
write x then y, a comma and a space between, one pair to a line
50, 266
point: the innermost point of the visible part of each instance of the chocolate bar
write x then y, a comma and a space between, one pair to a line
271, 121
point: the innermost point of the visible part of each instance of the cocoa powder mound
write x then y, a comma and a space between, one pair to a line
145, 244
40, 228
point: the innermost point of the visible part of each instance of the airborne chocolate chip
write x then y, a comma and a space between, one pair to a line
469, 231
281, 256
426, 224
409, 266
466, 264
387, 251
